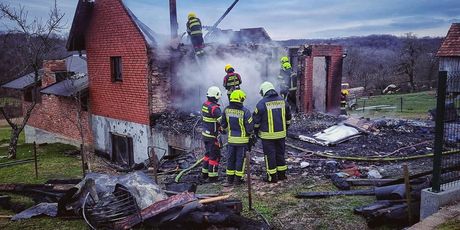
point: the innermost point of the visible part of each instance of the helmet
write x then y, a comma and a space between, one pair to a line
214, 92
286, 66
229, 68
238, 96
344, 92
284, 59
191, 15
265, 87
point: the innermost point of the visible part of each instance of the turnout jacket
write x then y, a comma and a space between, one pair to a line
232, 81
194, 27
212, 116
238, 120
272, 117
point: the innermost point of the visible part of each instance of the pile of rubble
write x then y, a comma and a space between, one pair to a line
125, 201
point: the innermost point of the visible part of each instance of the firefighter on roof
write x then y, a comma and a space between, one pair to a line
238, 121
232, 80
195, 32
272, 118
211, 127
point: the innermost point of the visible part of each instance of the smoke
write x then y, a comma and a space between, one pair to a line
196, 75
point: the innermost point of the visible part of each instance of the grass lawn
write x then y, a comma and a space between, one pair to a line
414, 105
52, 164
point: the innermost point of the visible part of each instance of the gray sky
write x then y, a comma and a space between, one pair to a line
286, 19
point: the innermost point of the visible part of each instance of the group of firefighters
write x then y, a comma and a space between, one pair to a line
269, 122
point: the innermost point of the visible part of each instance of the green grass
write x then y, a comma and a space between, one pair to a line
415, 105
451, 224
52, 164
280, 207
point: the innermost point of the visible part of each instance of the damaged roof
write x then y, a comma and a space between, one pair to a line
451, 45
82, 19
68, 87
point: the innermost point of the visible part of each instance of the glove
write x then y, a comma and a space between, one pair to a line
223, 131
252, 142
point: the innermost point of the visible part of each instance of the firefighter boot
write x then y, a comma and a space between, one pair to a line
213, 179
272, 179
281, 175
230, 180
238, 181
204, 176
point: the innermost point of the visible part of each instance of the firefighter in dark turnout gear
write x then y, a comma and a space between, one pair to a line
238, 121
232, 80
211, 127
272, 118
194, 30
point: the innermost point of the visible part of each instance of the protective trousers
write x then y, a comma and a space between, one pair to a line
236, 160
274, 157
211, 157
197, 41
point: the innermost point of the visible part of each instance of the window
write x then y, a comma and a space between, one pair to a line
122, 150
32, 92
115, 68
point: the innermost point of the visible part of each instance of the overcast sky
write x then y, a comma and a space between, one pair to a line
286, 19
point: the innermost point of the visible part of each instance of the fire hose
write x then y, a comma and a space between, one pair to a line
187, 170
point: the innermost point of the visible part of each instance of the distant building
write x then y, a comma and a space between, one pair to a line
449, 58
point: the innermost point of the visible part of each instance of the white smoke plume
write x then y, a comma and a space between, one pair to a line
197, 75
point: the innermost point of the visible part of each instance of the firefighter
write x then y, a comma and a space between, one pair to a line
284, 59
343, 101
284, 79
237, 119
272, 118
232, 80
195, 32
211, 127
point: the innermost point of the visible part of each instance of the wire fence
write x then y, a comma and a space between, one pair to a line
446, 161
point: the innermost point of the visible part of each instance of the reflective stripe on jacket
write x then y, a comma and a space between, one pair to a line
272, 116
211, 118
194, 26
238, 120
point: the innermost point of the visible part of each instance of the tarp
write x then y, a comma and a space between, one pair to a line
49, 209
332, 135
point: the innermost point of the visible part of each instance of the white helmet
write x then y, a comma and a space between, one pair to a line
265, 87
214, 92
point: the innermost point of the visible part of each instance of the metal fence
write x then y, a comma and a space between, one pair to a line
446, 161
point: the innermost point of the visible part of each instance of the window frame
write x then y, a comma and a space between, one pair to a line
116, 68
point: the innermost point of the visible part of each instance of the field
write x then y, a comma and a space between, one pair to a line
414, 105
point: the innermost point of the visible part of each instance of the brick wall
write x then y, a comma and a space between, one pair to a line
332, 53
58, 114
113, 33
49, 68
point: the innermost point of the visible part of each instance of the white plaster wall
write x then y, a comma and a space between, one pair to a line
41, 136
103, 126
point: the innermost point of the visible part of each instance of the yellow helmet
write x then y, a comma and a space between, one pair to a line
286, 66
214, 92
265, 87
191, 15
284, 59
228, 68
238, 96
344, 92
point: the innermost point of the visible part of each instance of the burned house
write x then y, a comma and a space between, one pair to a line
449, 58
135, 79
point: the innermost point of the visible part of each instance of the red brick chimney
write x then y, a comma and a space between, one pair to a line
49, 68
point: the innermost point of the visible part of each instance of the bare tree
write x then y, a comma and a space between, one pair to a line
39, 41
409, 58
